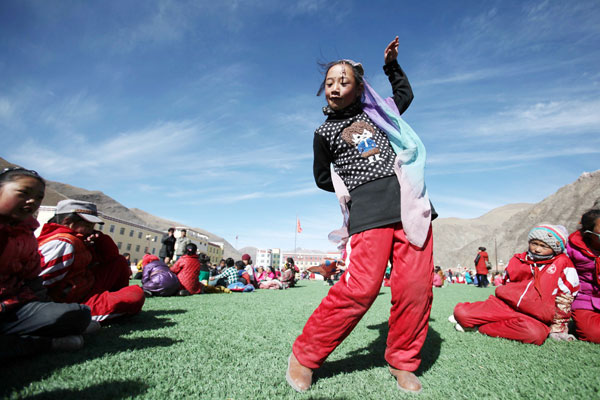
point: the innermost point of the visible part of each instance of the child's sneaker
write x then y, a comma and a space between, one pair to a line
452, 319
67, 343
93, 327
460, 328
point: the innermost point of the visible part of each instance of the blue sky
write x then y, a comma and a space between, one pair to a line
203, 112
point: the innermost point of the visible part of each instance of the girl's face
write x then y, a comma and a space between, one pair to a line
341, 89
540, 248
83, 227
20, 198
594, 239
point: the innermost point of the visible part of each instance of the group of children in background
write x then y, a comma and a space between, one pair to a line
60, 286
193, 274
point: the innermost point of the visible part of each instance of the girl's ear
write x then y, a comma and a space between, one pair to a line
361, 90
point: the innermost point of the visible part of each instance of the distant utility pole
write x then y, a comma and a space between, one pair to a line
496, 253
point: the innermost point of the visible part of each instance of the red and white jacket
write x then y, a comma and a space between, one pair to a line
69, 265
532, 287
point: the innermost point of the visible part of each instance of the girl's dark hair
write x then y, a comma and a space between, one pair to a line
62, 218
357, 70
12, 173
588, 220
229, 262
290, 260
191, 249
482, 248
240, 264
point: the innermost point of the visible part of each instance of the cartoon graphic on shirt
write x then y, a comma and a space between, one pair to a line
360, 134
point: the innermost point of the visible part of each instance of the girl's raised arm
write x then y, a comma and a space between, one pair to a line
391, 51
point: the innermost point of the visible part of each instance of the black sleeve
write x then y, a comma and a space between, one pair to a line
403, 94
321, 164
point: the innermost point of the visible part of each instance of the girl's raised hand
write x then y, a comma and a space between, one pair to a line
391, 51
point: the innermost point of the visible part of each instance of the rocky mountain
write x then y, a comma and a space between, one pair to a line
506, 228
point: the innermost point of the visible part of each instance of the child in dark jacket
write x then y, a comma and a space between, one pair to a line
187, 269
534, 301
378, 177
28, 323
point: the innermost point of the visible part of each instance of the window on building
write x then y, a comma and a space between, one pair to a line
131, 233
155, 238
112, 228
135, 261
128, 246
100, 226
153, 250
119, 245
145, 249
122, 231
137, 247
140, 235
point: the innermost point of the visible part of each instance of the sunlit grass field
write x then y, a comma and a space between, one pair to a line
235, 346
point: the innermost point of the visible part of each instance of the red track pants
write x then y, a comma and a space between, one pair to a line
495, 318
587, 325
111, 296
349, 299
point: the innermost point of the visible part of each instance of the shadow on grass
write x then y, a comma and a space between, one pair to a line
16, 374
146, 320
372, 355
105, 390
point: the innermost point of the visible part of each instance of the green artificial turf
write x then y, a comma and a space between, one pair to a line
235, 346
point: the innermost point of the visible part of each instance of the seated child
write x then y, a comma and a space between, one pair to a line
157, 278
468, 278
288, 278
205, 268
242, 273
80, 264
438, 277
187, 269
28, 323
227, 276
535, 298
498, 279
584, 250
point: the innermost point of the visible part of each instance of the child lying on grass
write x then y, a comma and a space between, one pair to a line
535, 300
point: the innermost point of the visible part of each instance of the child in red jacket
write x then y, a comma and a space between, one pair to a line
82, 265
187, 269
534, 302
28, 322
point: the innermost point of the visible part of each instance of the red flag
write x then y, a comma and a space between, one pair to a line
298, 227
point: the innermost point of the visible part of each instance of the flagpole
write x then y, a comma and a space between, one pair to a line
295, 236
